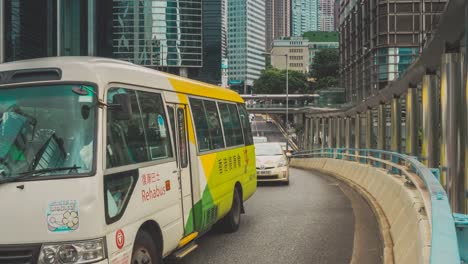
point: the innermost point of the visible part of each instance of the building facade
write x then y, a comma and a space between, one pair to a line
246, 41
297, 51
277, 20
157, 34
304, 16
326, 10
214, 42
380, 39
319, 40
336, 15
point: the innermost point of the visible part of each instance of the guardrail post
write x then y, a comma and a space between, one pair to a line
396, 130
311, 133
348, 137
382, 125
452, 149
317, 131
357, 134
369, 131
305, 144
324, 137
338, 130
430, 120
396, 124
411, 121
331, 134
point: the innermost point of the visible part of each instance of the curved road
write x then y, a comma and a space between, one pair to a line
310, 221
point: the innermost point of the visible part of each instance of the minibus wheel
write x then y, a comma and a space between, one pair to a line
231, 222
144, 250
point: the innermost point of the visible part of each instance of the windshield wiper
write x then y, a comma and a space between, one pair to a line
33, 173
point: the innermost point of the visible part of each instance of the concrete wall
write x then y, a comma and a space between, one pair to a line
400, 208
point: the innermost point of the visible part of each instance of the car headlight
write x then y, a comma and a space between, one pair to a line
282, 163
79, 252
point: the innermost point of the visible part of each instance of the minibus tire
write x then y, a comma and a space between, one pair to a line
231, 222
145, 247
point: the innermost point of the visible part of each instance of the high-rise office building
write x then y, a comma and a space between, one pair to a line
159, 34
325, 15
336, 15
214, 42
380, 39
277, 19
246, 41
304, 16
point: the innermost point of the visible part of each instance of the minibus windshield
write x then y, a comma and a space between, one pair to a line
46, 130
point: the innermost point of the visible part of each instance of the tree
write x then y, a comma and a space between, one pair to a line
326, 64
326, 82
273, 81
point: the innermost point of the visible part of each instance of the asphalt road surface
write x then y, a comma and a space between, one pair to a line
310, 221
263, 129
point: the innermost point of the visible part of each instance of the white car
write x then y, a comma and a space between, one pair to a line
260, 140
272, 163
251, 118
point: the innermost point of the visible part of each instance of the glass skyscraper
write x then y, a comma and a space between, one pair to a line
42, 28
214, 42
158, 33
380, 40
305, 16
246, 40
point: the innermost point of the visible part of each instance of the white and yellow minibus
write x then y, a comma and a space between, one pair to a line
103, 161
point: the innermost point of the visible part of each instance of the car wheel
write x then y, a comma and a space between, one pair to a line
231, 222
144, 250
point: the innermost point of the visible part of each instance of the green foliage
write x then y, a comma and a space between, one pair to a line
326, 82
326, 64
273, 81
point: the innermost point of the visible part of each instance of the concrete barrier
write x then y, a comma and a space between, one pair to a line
399, 207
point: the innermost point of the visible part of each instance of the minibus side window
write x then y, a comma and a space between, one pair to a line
156, 125
201, 125
244, 117
231, 124
207, 125
144, 136
214, 125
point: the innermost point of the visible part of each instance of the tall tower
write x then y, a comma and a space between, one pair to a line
304, 16
326, 15
277, 20
214, 41
246, 40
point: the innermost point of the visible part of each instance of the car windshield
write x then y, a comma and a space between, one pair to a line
268, 150
46, 131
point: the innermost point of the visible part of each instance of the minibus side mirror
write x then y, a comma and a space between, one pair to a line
121, 107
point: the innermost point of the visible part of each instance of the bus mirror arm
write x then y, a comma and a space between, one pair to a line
121, 107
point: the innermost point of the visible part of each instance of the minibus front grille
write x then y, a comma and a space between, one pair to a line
19, 254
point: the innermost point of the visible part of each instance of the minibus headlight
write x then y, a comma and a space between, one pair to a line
79, 252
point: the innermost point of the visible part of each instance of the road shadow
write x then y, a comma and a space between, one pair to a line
272, 183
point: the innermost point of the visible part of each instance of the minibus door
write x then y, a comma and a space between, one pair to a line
183, 161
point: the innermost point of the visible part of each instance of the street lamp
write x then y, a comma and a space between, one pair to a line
287, 94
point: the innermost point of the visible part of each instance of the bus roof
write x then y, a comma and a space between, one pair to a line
103, 71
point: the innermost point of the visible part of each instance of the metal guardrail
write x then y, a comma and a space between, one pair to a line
444, 243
